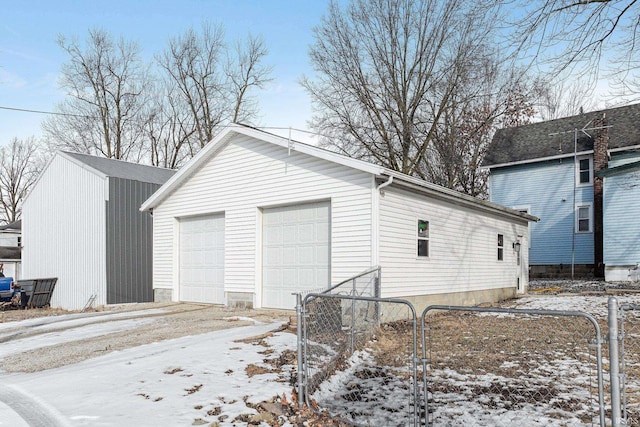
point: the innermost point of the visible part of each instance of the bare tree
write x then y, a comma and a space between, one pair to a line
468, 125
168, 128
105, 83
396, 81
19, 166
580, 34
563, 99
214, 87
245, 71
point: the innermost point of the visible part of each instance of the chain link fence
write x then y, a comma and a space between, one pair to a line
366, 361
360, 359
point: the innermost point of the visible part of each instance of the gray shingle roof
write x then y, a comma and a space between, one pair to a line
16, 225
121, 169
556, 137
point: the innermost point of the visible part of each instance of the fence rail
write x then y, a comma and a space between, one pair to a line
371, 361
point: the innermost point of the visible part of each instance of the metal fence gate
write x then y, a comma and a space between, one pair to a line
371, 361
504, 367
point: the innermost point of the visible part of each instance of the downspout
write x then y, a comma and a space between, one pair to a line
375, 219
387, 182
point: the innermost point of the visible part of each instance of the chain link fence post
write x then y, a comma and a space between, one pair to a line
614, 362
352, 332
300, 347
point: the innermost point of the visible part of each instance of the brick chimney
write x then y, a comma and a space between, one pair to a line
600, 162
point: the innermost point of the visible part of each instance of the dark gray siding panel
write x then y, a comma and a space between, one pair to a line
129, 242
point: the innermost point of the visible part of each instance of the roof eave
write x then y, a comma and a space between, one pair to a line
184, 172
618, 170
537, 160
456, 197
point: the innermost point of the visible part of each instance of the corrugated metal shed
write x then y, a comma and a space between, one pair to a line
82, 224
129, 242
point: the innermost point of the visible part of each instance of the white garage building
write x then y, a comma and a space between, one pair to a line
255, 217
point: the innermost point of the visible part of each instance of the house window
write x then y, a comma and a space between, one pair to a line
423, 238
585, 171
500, 247
583, 219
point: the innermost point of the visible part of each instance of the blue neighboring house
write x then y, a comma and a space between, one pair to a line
581, 176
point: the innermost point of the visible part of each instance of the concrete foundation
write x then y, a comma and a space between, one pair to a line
561, 271
623, 273
162, 295
242, 300
471, 298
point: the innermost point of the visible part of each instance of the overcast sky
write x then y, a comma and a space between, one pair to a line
30, 59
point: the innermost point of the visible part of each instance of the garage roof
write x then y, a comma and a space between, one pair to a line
396, 178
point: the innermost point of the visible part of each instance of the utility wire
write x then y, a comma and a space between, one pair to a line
25, 110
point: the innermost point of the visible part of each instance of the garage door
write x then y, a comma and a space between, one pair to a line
296, 252
202, 259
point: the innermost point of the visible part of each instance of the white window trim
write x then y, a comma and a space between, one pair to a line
428, 238
500, 247
577, 171
576, 220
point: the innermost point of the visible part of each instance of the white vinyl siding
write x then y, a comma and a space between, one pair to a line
69, 245
462, 247
201, 259
248, 175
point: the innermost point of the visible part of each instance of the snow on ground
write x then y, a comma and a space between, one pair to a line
179, 382
71, 320
67, 335
596, 305
202, 379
